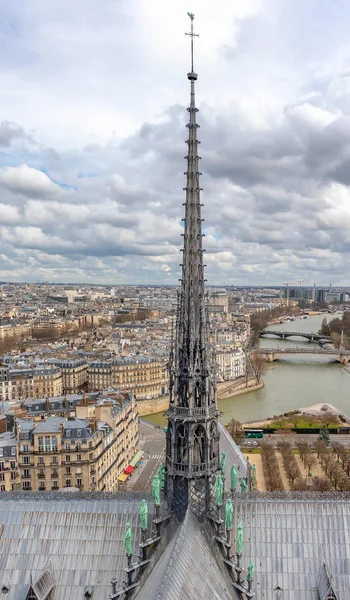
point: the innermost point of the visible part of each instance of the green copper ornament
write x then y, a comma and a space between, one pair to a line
128, 540
219, 490
143, 512
156, 490
223, 464
234, 477
240, 537
228, 514
250, 571
161, 471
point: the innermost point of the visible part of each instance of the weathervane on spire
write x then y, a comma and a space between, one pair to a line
192, 35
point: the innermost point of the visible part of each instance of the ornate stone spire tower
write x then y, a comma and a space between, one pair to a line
192, 445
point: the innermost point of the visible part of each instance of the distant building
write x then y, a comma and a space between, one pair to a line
9, 476
145, 377
74, 375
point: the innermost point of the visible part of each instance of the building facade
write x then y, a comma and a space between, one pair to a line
85, 453
74, 375
145, 377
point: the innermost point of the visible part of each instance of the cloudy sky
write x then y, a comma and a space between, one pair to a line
92, 131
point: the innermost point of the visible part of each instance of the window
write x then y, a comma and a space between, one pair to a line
68, 432
67, 470
41, 460
78, 457
78, 446
67, 458
25, 460
2, 476
79, 432
41, 443
79, 482
26, 473
13, 464
68, 483
13, 475
54, 460
67, 447
1, 452
54, 443
90, 444
26, 485
47, 443
2, 488
13, 451
91, 456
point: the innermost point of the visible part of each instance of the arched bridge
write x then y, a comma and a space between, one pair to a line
272, 354
283, 335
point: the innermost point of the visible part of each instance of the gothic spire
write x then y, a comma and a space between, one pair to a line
192, 436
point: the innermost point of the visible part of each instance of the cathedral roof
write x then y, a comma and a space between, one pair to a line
188, 568
75, 540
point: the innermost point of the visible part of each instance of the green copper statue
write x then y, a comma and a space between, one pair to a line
219, 490
156, 490
228, 514
223, 464
128, 540
250, 571
244, 485
254, 472
161, 476
191, 15
234, 477
240, 538
143, 512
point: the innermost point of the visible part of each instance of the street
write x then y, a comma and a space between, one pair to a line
152, 444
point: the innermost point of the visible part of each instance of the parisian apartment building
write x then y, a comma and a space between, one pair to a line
84, 445
145, 377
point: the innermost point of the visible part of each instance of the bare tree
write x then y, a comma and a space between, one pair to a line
259, 365
321, 484
236, 431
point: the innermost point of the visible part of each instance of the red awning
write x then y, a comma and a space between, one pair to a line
129, 470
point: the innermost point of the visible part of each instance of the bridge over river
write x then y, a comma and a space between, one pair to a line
272, 354
283, 335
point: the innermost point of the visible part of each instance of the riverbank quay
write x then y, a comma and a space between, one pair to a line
226, 389
316, 410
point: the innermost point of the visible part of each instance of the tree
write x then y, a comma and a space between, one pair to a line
259, 365
235, 430
325, 327
328, 418
310, 461
320, 447
321, 484
324, 435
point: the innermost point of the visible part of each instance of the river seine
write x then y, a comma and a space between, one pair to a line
292, 382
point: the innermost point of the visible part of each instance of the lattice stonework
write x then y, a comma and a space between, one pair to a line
192, 445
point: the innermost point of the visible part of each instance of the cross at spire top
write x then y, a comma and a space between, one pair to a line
192, 36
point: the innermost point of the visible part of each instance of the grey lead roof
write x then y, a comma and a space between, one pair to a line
289, 536
82, 535
187, 569
233, 455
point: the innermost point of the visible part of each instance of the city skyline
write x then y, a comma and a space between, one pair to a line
91, 134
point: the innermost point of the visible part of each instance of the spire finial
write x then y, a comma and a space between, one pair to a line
192, 35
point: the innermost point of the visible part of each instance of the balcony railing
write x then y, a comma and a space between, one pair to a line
54, 475
26, 476
41, 475
186, 411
